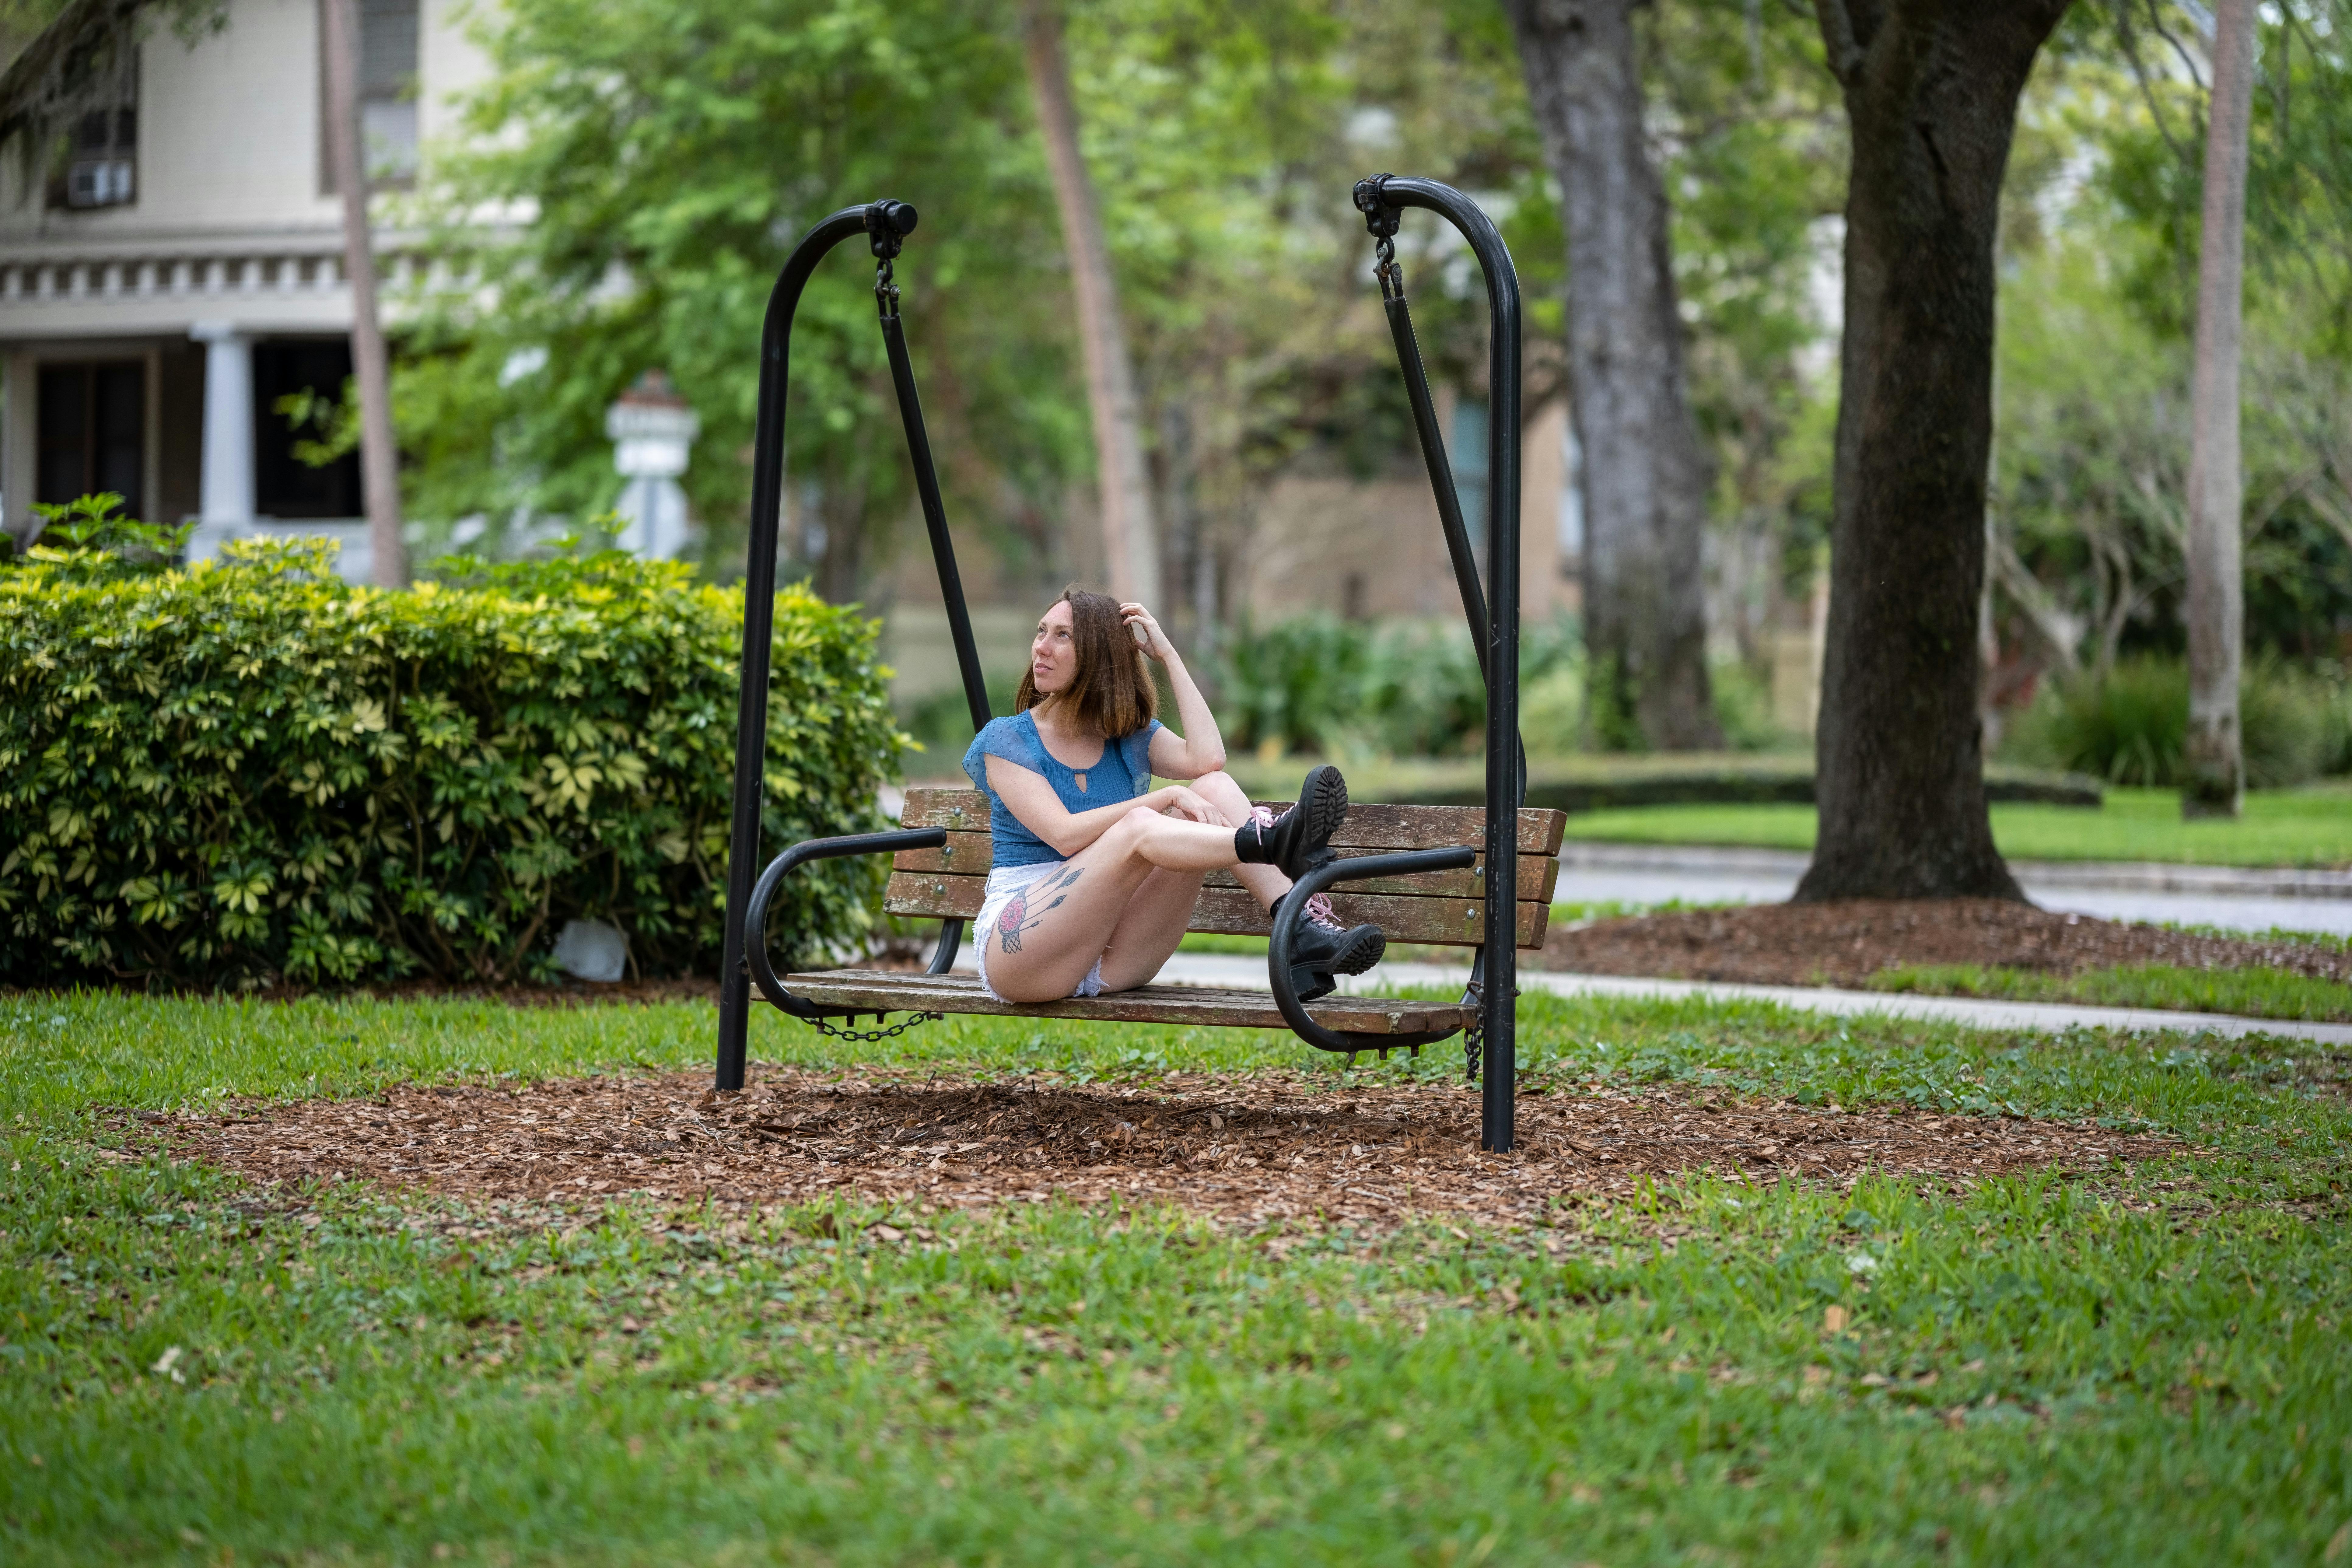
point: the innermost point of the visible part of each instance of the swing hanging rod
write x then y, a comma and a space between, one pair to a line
886, 224
1493, 616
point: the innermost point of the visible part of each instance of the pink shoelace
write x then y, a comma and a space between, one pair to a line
1318, 908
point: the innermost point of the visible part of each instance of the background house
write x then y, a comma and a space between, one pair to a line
171, 263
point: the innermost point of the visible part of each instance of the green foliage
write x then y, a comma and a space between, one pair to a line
2299, 163
84, 540
251, 770
332, 424
2129, 725
2100, 222
1412, 688
1743, 706
672, 152
1317, 683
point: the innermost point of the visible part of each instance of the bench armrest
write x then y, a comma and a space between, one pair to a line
755, 914
1294, 910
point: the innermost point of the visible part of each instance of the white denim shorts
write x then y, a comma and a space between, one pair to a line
1004, 910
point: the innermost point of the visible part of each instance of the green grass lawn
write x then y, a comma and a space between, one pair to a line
2310, 827
2148, 1365
2250, 992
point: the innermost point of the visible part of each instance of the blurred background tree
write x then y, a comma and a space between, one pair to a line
636, 171
2100, 237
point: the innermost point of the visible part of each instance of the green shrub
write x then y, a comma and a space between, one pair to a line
1406, 688
251, 770
1743, 706
2131, 726
1412, 688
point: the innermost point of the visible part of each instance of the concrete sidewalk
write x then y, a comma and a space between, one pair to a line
1239, 972
2105, 875
2244, 900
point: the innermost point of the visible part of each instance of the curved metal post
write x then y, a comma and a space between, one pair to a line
762, 973
759, 603
1497, 972
1294, 910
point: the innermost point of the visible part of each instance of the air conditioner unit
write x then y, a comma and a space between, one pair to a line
97, 182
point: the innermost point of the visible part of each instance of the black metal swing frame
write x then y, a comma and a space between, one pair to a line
1491, 609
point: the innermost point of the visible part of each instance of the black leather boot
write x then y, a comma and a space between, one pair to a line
1300, 839
1321, 947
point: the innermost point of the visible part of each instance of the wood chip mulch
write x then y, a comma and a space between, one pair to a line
1246, 1148
1845, 942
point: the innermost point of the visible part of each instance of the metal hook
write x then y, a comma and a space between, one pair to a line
1388, 269
886, 291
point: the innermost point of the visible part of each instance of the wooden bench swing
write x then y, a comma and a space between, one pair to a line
1420, 872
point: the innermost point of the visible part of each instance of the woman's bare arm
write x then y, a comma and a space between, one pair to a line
1201, 749
1032, 800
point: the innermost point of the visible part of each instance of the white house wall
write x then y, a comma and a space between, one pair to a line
230, 238
230, 224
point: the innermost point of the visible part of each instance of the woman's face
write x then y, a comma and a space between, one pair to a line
1053, 651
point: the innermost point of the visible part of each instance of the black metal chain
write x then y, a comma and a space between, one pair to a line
837, 1032
1474, 1038
886, 290
1388, 269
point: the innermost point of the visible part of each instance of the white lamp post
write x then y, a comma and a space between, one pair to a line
652, 431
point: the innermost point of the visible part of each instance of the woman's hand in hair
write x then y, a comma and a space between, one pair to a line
1178, 801
1155, 641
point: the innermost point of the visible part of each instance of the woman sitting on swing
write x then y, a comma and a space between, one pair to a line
1094, 870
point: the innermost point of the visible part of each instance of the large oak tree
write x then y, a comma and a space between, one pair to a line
1931, 89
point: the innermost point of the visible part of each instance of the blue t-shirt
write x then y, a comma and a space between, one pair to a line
1124, 772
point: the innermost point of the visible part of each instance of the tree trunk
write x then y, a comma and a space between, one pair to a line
1130, 543
2216, 782
1646, 477
370, 366
1931, 97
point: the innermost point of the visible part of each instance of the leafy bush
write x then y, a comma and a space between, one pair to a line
1743, 706
1317, 683
940, 722
87, 538
2131, 726
250, 769
1409, 689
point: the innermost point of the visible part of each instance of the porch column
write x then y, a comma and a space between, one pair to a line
224, 509
19, 450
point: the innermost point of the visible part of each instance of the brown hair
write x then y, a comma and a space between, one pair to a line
1112, 692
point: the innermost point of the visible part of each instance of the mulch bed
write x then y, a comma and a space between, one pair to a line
1253, 1148
1845, 942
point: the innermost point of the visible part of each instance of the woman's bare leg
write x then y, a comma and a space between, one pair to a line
1224, 791
1150, 930
1161, 909
1066, 920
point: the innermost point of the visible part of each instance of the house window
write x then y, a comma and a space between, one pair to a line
283, 485
388, 78
96, 162
93, 433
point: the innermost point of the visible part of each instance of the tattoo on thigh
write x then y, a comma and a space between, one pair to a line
1015, 918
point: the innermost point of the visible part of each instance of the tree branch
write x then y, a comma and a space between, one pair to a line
2187, 60
1838, 38
2130, 42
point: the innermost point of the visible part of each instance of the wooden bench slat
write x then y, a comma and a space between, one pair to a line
883, 991
970, 854
1453, 923
1368, 826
